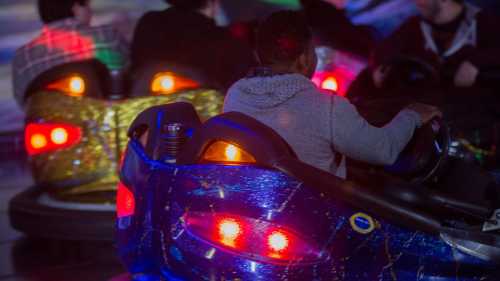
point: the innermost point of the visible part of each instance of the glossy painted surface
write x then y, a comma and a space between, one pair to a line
155, 241
87, 170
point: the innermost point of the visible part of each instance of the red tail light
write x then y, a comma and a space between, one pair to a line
278, 241
255, 239
125, 201
229, 231
41, 138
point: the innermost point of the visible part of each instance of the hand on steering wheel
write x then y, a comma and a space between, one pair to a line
426, 112
425, 154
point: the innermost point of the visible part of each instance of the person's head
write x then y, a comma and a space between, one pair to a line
51, 11
438, 11
206, 7
284, 43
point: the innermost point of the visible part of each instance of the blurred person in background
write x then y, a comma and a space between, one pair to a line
66, 36
457, 43
186, 34
455, 37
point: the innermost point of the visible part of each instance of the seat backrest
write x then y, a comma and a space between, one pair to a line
262, 142
95, 74
154, 121
143, 76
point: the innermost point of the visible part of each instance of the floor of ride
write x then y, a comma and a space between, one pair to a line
23, 258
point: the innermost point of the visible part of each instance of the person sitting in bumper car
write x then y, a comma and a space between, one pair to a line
66, 37
455, 37
281, 95
444, 56
186, 34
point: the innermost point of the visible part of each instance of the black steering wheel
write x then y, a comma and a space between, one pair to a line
425, 155
409, 80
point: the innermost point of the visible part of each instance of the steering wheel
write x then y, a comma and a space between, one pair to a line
425, 154
409, 80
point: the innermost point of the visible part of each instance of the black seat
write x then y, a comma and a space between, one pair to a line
155, 120
144, 75
95, 74
262, 142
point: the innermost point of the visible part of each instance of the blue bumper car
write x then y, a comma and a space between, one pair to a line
228, 199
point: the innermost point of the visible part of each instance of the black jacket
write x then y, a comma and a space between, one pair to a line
333, 28
190, 39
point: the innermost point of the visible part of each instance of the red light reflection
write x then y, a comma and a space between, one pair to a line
125, 201
44, 137
229, 230
67, 42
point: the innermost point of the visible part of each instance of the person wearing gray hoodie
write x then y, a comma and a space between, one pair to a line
317, 125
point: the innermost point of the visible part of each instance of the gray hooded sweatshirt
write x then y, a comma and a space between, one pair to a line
318, 124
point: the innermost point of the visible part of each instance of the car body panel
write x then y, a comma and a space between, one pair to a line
91, 165
155, 240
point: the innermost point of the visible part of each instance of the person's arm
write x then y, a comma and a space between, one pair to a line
335, 29
354, 137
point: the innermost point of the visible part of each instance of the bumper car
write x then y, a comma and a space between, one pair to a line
228, 199
77, 115
470, 114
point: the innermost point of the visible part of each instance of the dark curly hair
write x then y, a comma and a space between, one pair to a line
191, 5
283, 37
50, 10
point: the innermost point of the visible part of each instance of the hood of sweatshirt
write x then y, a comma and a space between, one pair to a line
270, 91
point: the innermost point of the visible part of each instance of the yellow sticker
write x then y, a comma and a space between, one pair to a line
362, 223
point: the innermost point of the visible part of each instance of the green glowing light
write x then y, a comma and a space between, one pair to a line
286, 3
112, 59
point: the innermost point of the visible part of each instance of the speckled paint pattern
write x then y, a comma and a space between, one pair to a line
91, 166
155, 241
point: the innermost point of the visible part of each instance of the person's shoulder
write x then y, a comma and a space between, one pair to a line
341, 106
315, 96
233, 95
26, 48
101, 27
340, 101
412, 22
19, 56
153, 16
107, 31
